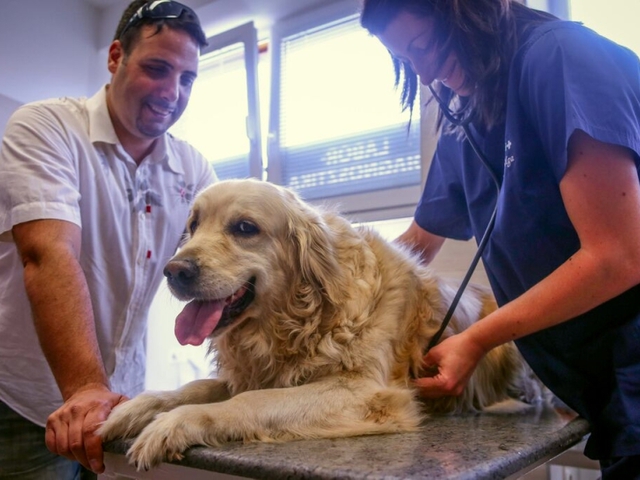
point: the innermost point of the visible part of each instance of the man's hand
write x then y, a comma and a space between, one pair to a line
452, 363
71, 429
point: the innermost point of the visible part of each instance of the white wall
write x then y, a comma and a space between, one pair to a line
615, 19
47, 48
7, 106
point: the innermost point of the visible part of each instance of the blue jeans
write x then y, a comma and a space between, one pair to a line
24, 454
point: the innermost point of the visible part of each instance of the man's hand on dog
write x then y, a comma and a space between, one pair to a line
71, 430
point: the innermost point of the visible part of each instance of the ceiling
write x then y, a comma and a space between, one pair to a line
260, 9
101, 3
108, 3
262, 12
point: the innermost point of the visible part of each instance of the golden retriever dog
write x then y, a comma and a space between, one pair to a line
317, 327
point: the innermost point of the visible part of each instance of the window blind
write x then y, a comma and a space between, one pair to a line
341, 129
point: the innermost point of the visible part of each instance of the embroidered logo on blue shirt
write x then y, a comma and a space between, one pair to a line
508, 159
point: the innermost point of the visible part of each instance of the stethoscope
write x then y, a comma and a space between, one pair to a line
462, 119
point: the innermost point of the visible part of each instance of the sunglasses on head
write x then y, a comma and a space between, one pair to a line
161, 10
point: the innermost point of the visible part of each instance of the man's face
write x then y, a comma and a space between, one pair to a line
150, 87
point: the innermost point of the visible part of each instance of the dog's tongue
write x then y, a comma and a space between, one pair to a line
197, 320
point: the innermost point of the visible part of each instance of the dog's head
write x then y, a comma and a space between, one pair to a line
251, 247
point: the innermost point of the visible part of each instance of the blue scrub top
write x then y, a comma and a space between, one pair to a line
564, 77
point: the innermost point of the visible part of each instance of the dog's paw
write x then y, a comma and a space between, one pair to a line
169, 435
129, 418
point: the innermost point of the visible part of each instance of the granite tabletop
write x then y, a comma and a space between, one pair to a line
482, 446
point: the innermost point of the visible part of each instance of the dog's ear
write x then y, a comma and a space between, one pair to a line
316, 250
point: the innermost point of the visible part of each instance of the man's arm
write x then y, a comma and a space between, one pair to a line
63, 318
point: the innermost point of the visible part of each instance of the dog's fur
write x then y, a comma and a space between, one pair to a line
335, 331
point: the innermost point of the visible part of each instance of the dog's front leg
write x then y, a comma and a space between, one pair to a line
333, 408
128, 419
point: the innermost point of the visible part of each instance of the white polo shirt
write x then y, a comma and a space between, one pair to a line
61, 159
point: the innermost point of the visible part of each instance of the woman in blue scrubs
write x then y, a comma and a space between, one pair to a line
554, 110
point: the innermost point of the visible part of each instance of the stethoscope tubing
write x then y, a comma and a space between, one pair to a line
463, 120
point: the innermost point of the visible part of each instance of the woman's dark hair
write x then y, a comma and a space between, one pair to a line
484, 34
129, 32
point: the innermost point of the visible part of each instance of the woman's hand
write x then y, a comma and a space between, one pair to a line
452, 362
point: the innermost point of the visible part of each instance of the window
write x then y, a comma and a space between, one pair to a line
615, 19
337, 133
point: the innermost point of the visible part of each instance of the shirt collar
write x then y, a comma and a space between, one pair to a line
172, 161
101, 130
100, 126
164, 154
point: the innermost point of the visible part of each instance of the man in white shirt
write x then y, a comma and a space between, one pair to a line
94, 196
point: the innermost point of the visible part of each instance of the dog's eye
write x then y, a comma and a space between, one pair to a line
245, 228
193, 225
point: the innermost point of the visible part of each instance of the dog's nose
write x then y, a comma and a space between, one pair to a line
181, 273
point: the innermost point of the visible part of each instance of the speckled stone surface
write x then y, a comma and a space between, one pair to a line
485, 446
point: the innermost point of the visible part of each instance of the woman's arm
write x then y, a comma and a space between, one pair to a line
601, 193
425, 244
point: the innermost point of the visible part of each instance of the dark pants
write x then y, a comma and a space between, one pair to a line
623, 468
24, 454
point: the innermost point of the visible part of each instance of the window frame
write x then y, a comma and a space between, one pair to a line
246, 34
559, 8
